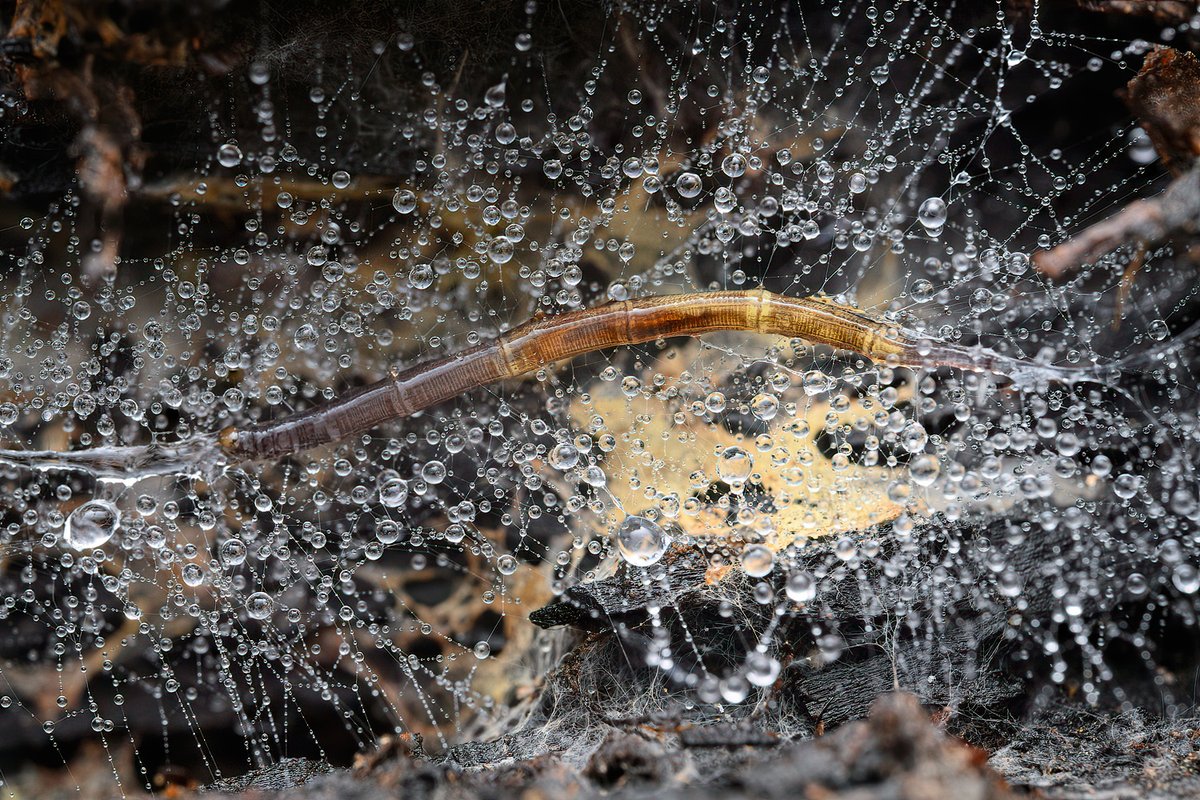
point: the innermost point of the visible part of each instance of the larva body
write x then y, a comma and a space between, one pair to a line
546, 340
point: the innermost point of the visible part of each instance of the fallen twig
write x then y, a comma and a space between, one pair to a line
1144, 223
1165, 97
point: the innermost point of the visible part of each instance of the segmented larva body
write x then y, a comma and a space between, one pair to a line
545, 340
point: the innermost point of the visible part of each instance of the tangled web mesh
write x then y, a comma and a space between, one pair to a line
716, 512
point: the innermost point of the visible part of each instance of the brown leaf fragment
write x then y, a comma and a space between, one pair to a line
41, 23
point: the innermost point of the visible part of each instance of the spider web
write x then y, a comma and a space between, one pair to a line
372, 204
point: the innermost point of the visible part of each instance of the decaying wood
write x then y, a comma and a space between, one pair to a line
896, 752
1143, 223
1165, 97
1164, 12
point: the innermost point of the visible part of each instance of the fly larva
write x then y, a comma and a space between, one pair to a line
545, 340
542, 341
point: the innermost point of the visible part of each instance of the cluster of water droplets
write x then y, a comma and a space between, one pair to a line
761, 153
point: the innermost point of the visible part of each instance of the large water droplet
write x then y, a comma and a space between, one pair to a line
757, 561
734, 165
229, 155
641, 542
801, 587
734, 466
924, 469
688, 184
932, 214
393, 492
564, 456
232, 552
404, 201
258, 605
305, 336
495, 95
91, 525
1186, 578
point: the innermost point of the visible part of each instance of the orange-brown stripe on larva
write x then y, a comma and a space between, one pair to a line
545, 340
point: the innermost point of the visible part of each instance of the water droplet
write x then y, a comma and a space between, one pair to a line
757, 561
761, 669
495, 95
232, 552
1126, 486
259, 605
393, 492
91, 525
932, 214
500, 250
404, 201
563, 456
421, 276
641, 542
1186, 578
735, 689
688, 184
924, 469
922, 291
801, 587
734, 466
734, 165
913, 437
306, 337
229, 155
765, 406
434, 472
192, 575
715, 402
